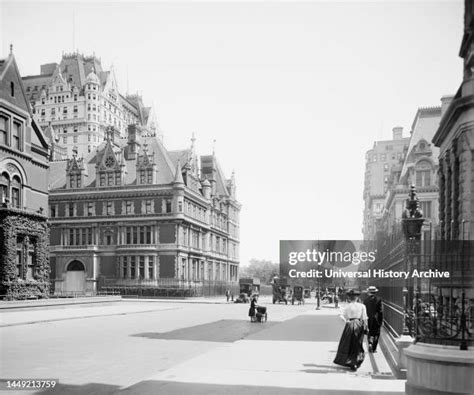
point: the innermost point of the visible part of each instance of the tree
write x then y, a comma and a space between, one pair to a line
262, 269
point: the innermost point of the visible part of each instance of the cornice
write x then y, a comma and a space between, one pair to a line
457, 107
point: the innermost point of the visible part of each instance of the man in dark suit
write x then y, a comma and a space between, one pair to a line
373, 305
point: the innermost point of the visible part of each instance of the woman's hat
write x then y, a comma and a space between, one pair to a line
353, 292
372, 289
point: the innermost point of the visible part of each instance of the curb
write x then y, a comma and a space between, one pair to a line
84, 316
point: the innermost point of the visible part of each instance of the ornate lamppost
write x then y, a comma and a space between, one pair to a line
412, 222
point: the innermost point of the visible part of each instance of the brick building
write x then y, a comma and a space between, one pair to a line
24, 233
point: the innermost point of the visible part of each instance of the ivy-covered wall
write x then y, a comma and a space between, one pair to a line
14, 224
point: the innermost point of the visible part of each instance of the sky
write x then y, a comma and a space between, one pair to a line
293, 93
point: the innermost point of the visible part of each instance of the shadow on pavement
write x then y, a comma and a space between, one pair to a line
169, 387
226, 331
89, 389
296, 329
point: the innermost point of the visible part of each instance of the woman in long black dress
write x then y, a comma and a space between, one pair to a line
253, 307
350, 352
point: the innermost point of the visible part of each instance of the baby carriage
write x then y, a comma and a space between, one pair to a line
261, 314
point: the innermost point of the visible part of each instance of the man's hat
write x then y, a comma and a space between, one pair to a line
372, 289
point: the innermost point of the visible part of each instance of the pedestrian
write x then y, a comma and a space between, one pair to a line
373, 304
350, 351
253, 308
227, 295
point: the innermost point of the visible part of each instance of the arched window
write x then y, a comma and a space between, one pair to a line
4, 188
76, 266
12, 89
16, 192
423, 171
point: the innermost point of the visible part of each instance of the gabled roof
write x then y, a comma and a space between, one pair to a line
424, 127
9, 73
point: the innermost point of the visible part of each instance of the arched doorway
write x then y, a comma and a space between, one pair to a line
75, 277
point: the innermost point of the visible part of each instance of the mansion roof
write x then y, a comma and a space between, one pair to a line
149, 152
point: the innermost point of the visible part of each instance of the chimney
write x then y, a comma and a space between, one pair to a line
132, 144
397, 132
445, 102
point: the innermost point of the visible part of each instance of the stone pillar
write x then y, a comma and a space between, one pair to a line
145, 274
439, 370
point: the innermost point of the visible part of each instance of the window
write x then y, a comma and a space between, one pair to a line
108, 239
180, 206
75, 97
128, 207
64, 140
142, 176
71, 237
109, 208
90, 209
102, 179
147, 235
16, 189
110, 179
132, 266
64, 110
71, 210
426, 208
385, 166
148, 209
150, 266
150, 176
75, 139
124, 268
19, 257
118, 179
53, 211
168, 205
129, 235
12, 89
423, 178
141, 273
3, 130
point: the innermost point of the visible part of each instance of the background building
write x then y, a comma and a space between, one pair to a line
77, 100
132, 214
24, 235
419, 167
381, 161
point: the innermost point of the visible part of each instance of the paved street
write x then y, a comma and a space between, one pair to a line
140, 347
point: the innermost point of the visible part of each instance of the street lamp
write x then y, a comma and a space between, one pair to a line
412, 222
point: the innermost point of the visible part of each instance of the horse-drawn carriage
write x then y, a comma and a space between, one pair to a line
298, 295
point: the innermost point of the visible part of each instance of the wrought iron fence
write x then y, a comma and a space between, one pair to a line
167, 287
442, 308
427, 305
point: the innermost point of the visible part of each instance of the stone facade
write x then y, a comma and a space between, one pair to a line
76, 100
132, 213
24, 232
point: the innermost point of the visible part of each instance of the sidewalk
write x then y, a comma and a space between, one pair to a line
279, 359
